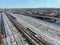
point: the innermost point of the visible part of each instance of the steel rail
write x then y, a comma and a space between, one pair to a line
3, 27
31, 38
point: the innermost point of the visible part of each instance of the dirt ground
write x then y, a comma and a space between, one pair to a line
0, 39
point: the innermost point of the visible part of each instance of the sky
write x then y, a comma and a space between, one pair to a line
29, 3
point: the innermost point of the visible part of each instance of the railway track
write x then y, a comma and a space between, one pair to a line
0, 31
2, 27
27, 33
13, 36
30, 22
